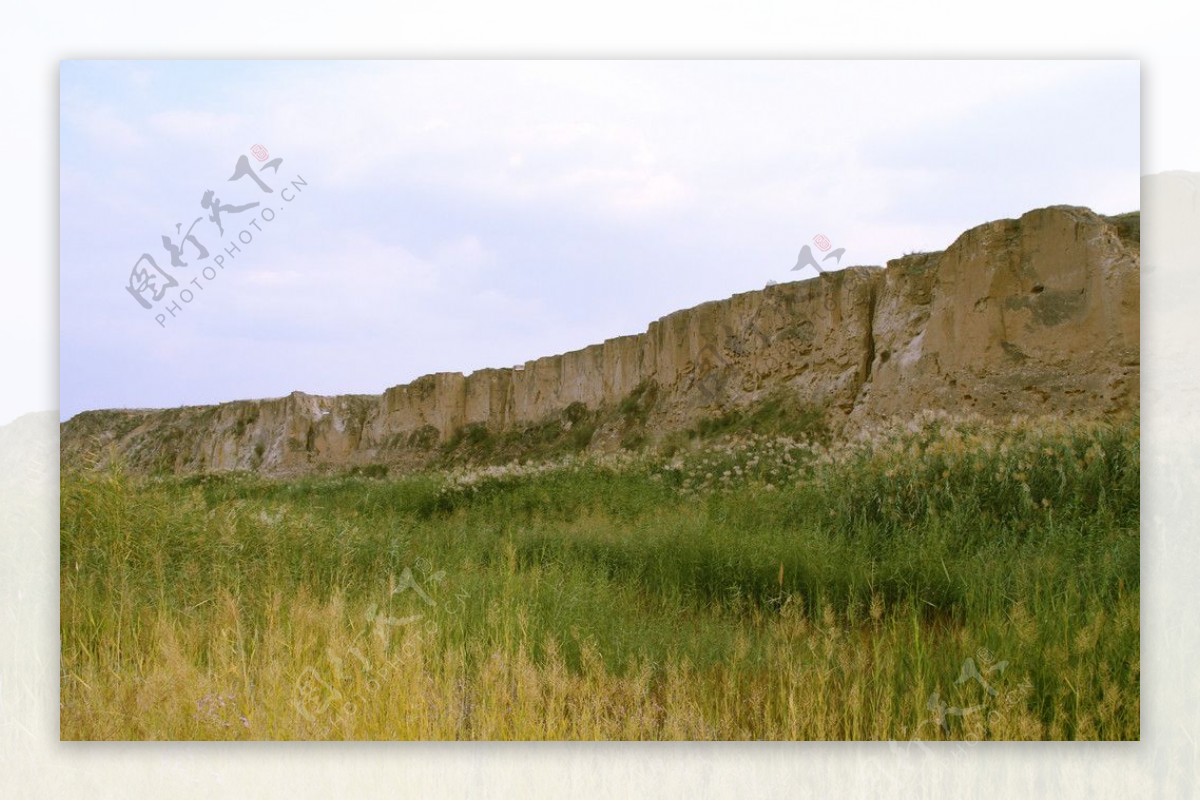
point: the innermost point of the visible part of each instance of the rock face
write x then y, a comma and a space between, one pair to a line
1030, 316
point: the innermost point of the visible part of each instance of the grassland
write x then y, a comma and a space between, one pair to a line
943, 580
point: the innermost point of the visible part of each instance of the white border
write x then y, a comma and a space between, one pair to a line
32, 761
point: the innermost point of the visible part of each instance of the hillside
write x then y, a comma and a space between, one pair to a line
1037, 315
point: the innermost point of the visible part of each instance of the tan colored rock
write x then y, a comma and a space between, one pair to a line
1025, 316
1016, 317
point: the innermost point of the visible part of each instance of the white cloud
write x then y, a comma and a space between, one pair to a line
187, 124
623, 139
105, 127
272, 278
465, 257
462, 214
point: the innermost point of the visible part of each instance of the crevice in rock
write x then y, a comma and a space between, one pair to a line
820, 343
870, 354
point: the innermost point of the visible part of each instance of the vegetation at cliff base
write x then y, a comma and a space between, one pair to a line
940, 579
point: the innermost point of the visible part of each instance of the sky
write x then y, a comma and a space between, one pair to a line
428, 216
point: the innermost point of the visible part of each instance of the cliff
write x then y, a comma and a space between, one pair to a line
1029, 316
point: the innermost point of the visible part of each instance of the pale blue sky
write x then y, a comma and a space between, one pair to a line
469, 214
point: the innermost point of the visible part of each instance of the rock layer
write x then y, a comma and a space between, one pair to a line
1030, 316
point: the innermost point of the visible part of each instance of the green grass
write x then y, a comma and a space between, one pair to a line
568, 433
780, 413
751, 587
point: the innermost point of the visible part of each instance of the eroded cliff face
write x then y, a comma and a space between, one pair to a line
1017, 316
1031, 316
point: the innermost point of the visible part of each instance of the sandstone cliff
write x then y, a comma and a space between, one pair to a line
1027, 316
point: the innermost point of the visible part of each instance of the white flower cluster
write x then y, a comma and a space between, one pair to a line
469, 479
769, 461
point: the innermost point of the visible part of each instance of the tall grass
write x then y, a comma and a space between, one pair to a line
952, 579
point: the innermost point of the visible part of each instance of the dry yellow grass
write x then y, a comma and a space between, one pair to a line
944, 584
317, 673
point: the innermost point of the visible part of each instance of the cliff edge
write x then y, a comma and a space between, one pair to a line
1037, 315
